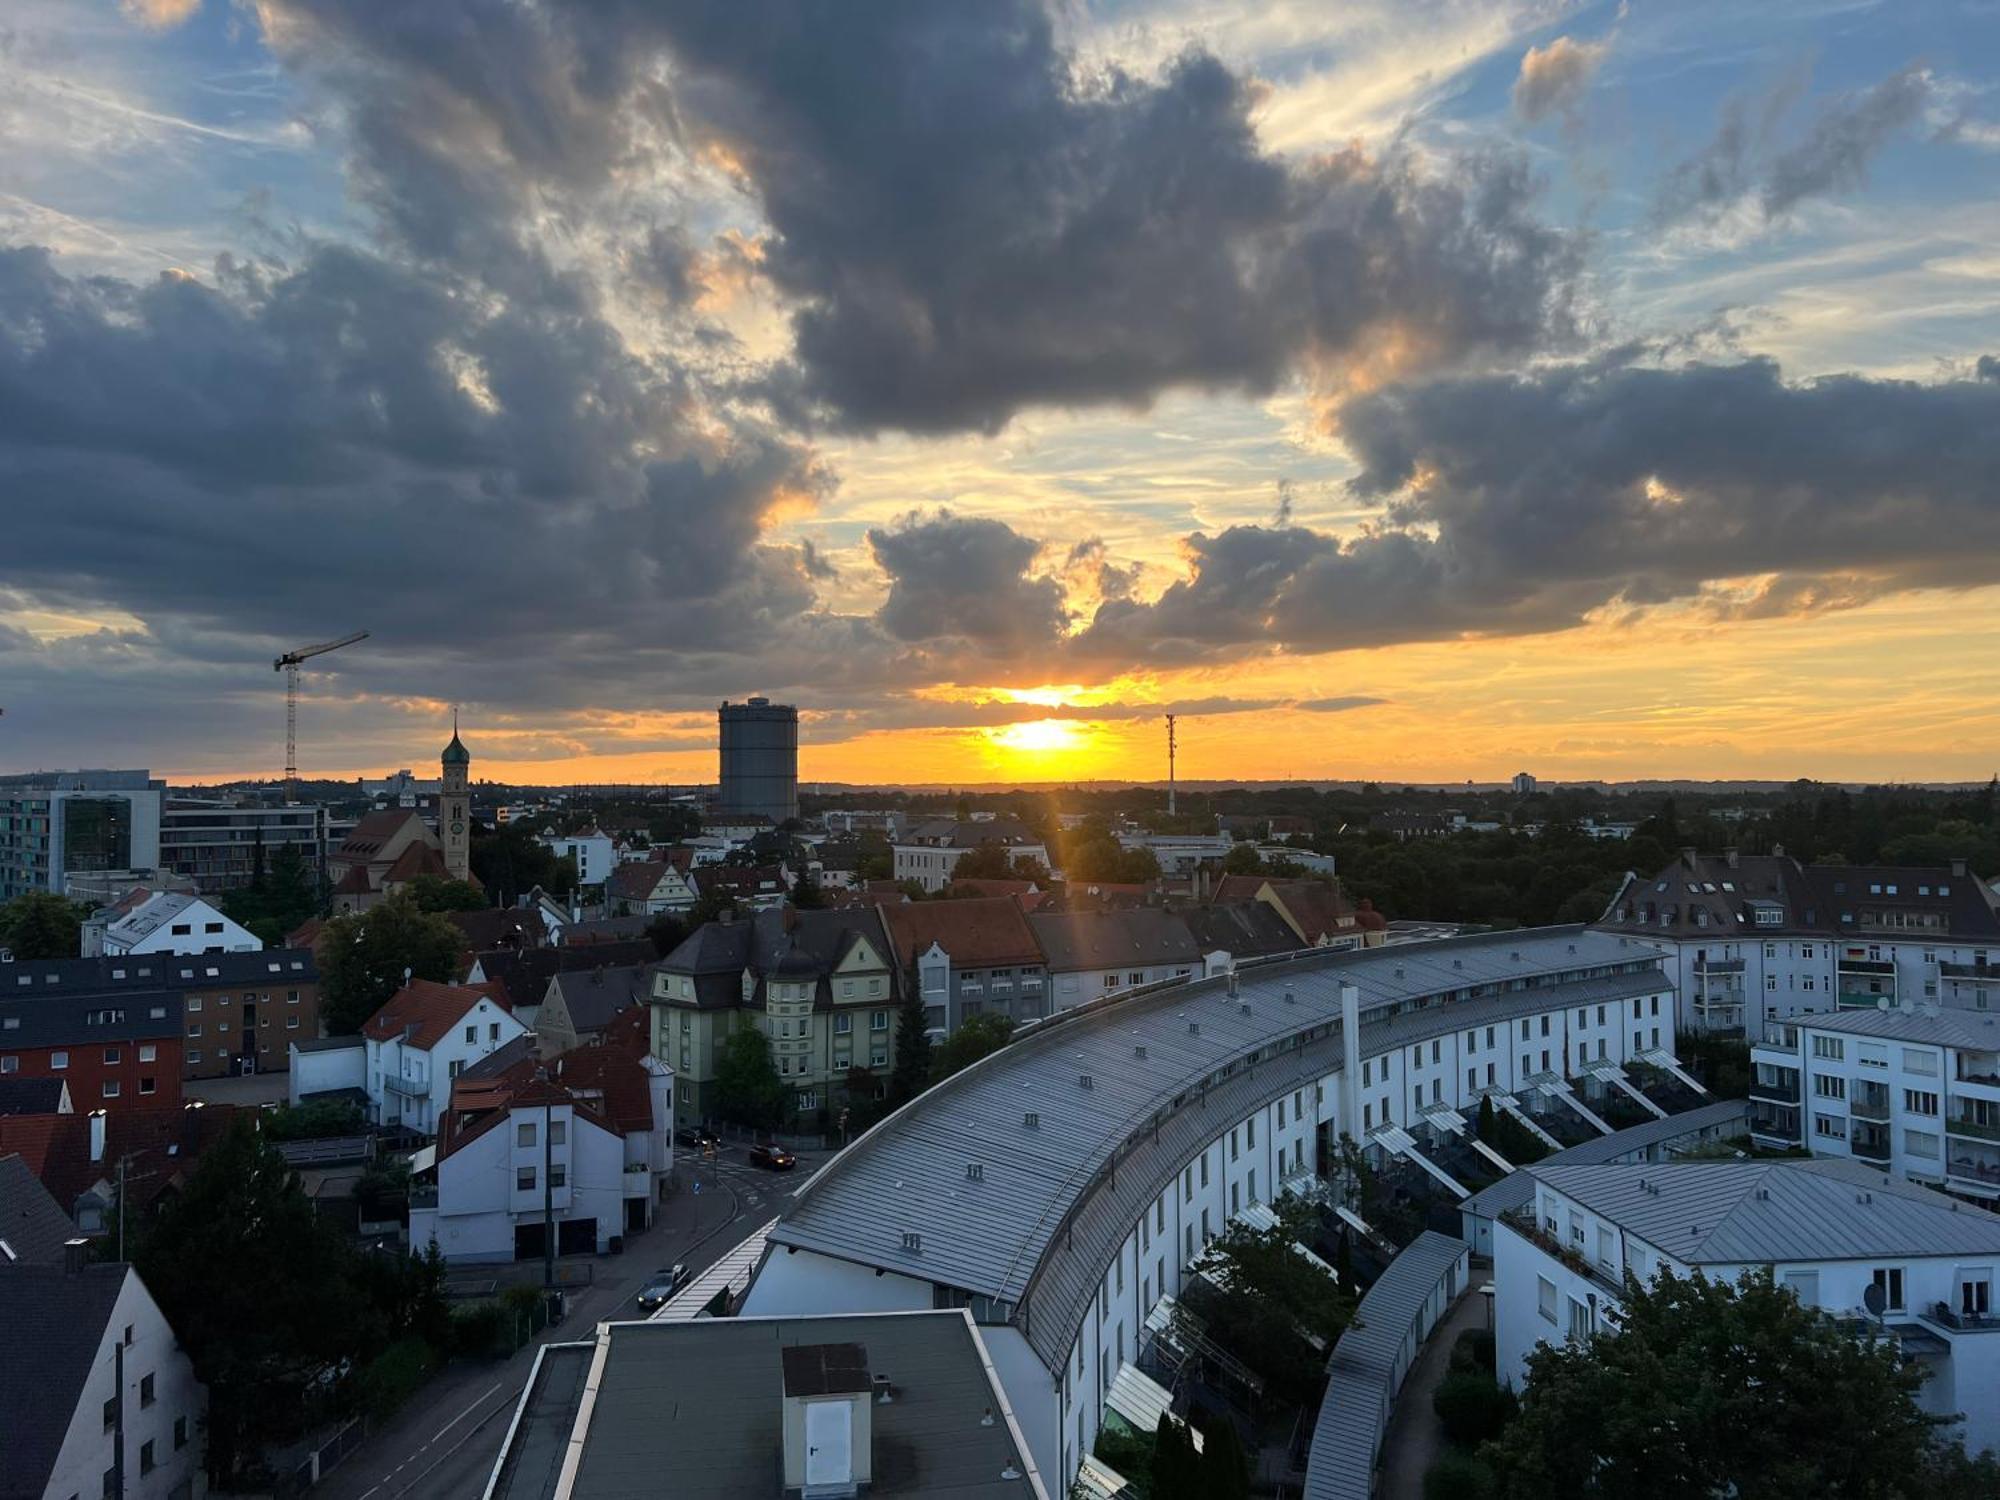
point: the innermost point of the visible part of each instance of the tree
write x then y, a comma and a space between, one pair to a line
1097, 859
806, 894
1225, 1468
975, 1037
261, 1293
1177, 1473
666, 932
41, 924
436, 893
1717, 1388
511, 860
1243, 859
748, 1090
912, 1073
987, 862
363, 959
278, 898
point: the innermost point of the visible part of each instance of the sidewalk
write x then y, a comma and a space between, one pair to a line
1414, 1439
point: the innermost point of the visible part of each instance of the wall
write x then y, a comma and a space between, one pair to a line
323, 1072
804, 1284
279, 1020
87, 1448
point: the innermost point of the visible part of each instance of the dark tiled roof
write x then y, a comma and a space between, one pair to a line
373, 831
156, 971
77, 1020
522, 976
714, 956
977, 933
30, 1096
1249, 929
793, 944
949, 833
635, 879
593, 996
1108, 939
604, 930
33, 1226
55, 1326
1723, 896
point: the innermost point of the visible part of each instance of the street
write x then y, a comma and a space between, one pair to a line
445, 1441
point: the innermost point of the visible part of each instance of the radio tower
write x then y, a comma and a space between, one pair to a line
1170, 765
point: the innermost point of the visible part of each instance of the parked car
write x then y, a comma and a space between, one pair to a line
665, 1283
696, 1137
777, 1158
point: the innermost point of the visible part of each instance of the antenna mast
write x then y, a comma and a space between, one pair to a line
1170, 765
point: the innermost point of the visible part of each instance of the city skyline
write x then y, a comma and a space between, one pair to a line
1399, 392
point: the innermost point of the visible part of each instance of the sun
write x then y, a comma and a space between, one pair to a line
1042, 736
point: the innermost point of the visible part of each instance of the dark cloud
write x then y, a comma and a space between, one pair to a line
957, 577
1745, 160
1519, 504
966, 225
1554, 79
1336, 705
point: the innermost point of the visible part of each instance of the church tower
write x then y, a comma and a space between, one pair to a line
455, 807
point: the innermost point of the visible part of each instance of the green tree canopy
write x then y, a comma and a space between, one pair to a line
1714, 1388
1097, 858
282, 893
913, 1049
748, 1090
363, 959
975, 1037
437, 893
511, 860
1270, 1306
41, 924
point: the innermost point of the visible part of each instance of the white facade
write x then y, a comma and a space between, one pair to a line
1246, 1161
324, 1070
931, 865
1179, 853
410, 1086
593, 851
170, 922
493, 1185
1541, 1298
165, 1409
1915, 1094
1073, 987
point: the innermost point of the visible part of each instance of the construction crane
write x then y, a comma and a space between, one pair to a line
289, 665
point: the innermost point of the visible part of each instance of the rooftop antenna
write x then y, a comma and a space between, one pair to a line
1170, 764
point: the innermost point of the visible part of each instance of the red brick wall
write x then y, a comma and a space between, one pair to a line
88, 1072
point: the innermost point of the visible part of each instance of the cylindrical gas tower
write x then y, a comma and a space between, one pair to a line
760, 759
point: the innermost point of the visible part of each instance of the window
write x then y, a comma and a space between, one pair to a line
148, 1085
879, 1058
1803, 1285
1832, 1047
558, 1132
1829, 1086
1546, 1292
878, 1020
472, 1033
1920, 1101
112, 1056
1832, 1127
843, 1025
524, 1179
558, 1175
110, 1413
291, 1023
1579, 1320
1921, 1143
180, 1433
58, 1060
1890, 1280
1975, 1292
148, 1052
145, 1391
493, 1032
194, 1002
1250, 1133
111, 1088
524, 1133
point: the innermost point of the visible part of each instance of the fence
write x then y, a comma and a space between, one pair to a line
322, 1460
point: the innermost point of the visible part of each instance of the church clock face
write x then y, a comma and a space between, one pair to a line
457, 828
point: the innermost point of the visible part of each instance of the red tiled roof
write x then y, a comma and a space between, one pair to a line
306, 934
977, 932
432, 1008
1231, 889
972, 886
417, 858
373, 831
354, 883
635, 880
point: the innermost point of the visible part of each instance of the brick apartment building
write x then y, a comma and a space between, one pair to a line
117, 1052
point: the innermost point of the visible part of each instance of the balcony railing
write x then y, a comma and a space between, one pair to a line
1870, 1107
1969, 971
409, 1088
1986, 1075
1966, 1125
1946, 1316
1861, 1000
1974, 1171
1870, 1148
1523, 1222
1718, 966
1869, 966
1783, 1093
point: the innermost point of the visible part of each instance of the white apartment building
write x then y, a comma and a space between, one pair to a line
1915, 1092
593, 851
1754, 939
1062, 1187
1090, 954
1827, 1230
164, 922
929, 852
422, 1039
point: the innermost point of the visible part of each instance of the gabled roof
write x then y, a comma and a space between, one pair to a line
143, 918
1107, 939
521, 977
55, 1322
793, 944
368, 836
501, 927
593, 996
714, 956
1249, 929
604, 930
33, 1226
950, 833
635, 879
430, 1008
978, 933
418, 858
1978, 1031
1316, 908
1734, 1213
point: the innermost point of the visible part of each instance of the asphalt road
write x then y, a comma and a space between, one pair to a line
443, 1445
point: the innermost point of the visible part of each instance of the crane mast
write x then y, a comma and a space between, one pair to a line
289, 665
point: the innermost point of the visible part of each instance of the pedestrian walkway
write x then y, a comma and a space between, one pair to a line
1414, 1439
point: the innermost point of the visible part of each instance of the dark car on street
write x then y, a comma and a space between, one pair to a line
777, 1158
665, 1282
696, 1137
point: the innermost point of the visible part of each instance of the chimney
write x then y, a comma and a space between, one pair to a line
1350, 1055
76, 1255
1731, 856
1958, 868
828, 1420
1777, 851
97, 1135
1688, 858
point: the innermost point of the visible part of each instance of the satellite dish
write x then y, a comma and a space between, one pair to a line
1874, 1300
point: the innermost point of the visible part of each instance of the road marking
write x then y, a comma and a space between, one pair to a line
477, 1402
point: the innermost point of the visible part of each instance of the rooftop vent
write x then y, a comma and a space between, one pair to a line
1458, 963
1194, 1028
1140, 1053
1290, 998
1516, 954
1087, 1081
1232, 981
913, 1242
1572, 947
975, 1171
1245, 1007
1399, 971
1031, 1121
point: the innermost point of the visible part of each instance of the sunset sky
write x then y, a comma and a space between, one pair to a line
1401, 389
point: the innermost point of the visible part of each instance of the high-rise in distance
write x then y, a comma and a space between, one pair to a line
760, 759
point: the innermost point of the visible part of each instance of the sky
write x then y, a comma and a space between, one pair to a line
1403, 389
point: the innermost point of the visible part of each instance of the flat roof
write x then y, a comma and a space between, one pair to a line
1945, 1028
531, 1459
1733, 1213
991, 1233
695, 1410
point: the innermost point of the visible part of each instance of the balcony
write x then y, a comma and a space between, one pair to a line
1778, 1090
1870, 1103
1873, 967
1981, 1068
423, 1195
408, 1088
1522, 1222
1967, 1126
1969, 971
1718, 966
1984, 1170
